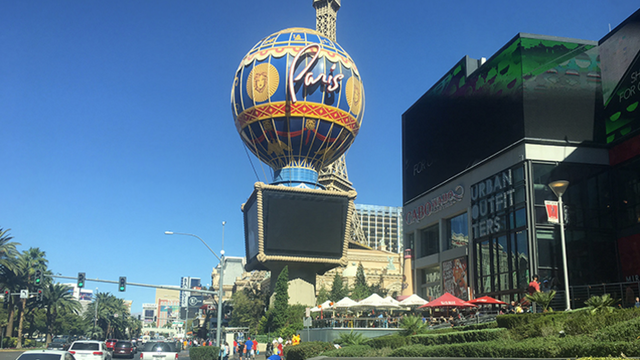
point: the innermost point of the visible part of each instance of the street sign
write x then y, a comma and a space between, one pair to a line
24, 294
306, 322
194, 301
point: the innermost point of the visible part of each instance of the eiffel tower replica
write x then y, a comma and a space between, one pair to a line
334, 176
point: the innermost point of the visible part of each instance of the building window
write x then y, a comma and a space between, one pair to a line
430, 240
409, 241
499, 223
629, 195
431, 286
458, 231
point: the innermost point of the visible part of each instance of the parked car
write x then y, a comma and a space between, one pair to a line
110, 343
59, 343
46, 355
90, 350
159, 350
123, 349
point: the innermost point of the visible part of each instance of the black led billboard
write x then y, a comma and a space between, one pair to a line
535, 87
296, 225
620, 68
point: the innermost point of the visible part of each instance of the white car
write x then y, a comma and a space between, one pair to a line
90, 350
46, 355
159, 350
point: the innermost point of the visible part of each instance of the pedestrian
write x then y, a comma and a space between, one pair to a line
638, 302
241, 350
248, 345
534, 287
225, 354
235, 347
255, 349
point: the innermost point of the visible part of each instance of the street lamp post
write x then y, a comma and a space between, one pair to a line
221, 282
559, 187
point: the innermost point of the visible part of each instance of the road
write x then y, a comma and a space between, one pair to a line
13, 355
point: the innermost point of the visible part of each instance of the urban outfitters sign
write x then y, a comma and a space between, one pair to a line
489, 199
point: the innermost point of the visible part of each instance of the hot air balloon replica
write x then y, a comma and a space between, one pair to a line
297, 102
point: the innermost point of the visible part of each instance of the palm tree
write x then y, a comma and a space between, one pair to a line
8, 251
412, 325
8, 261
28, 262
543, 299
58, 297
596, 304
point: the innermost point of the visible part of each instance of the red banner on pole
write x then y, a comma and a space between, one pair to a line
552, 211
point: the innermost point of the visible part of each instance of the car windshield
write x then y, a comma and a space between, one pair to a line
42, 356
85, 346
158, 347
123, 344
59, 340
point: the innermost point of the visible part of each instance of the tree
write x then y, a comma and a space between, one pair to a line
378, 288
338, 290
412, 325
28, 262
323, 295
8, 252
543, 299
246, 311
361, 289
596, 304
281, 302
112, 326
9, 278
57, 299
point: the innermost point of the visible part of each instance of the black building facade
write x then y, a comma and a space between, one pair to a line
482, 145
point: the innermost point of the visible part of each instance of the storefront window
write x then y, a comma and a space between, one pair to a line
458, 231
431, 282
499, 223
430, 240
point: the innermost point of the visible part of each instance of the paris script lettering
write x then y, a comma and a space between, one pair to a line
331, 82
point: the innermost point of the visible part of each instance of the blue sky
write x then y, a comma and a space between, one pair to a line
116, 123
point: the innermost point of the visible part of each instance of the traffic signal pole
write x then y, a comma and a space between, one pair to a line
177, 288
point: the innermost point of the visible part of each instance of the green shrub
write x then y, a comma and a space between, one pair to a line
351, 338
582, 322
389, 341
489, 325
306, 350
352, 351
531, 348
512, 321
204, 353
540, 325
458, 337
625, 331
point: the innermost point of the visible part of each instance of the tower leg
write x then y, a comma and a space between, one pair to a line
302, 283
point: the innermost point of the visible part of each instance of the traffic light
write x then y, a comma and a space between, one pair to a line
81, 279
39, 296
37, 278
7, 298
122, 283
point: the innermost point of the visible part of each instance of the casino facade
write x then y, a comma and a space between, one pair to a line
481, 146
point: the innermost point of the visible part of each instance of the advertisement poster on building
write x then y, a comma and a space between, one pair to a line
454, 276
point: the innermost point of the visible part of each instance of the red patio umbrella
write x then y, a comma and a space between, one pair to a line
486, 300
447, 300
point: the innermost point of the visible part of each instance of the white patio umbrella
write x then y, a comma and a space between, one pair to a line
413, 300
375, 301
391, 300
322, 307
345, 303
